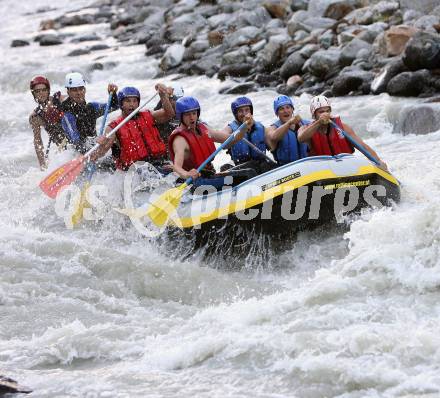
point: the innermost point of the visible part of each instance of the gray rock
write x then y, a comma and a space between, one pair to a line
247, 35
242, 88
292, 65
78, 52
422, 51
418, 119
255, 48
10, 386
294, 23
423, 6
407, 84
321, 7
220, 20
300, 35
275, 23
48, 39
308, 50
77, 19
427, 22
361, 16
297, 5
173, 56
187, 24
208, 65
258, 17
350, 51
19, 43
411, 16
271, 54
353, 80
235, 57
89, 37
327, 39
372, 31
324, 63
235, 70
313, 23
99, 47
200, 45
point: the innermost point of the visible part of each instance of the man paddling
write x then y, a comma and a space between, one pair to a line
323, 135
139, 138
46, 115
281, 136
81, 116
193, 141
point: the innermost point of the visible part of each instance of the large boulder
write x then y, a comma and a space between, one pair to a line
292, 65
418, 119
352, 80
428, 23
270, 56
186, 24
395, 39
392, 68
246, 35
324, 63
173, 56
423, 6
277, 8
336, 9
351, 50
422, 51
408, 84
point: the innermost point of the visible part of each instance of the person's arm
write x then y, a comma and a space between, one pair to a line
105, 143
167, 111
221, 136
99, 107
275, 134
305, 133
359, 140
35, 123
181, 148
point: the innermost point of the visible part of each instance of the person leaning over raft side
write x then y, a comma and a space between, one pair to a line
138, 139
46, 115
241, 152
165, 129
81, 116
281, 136
193, 141
324, 139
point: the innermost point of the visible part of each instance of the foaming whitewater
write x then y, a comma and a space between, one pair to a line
100, 311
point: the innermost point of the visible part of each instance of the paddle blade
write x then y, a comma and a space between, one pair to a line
79, 205
162, 209
61, 177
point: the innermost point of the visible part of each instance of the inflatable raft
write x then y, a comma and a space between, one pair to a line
289, 198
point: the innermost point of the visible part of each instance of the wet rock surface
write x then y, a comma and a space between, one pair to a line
299, 46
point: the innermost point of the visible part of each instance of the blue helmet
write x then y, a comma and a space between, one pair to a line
240, 102
281, 101
128, 92
186, 104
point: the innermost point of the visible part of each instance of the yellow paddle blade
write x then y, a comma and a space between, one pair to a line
79, 206
163, 208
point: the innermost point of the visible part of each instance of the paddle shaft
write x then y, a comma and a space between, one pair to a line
112, 132
213, 154
358, 146
256, 149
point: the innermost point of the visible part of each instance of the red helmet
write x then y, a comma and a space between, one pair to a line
39, 80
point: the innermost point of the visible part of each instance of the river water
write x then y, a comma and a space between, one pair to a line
100, 311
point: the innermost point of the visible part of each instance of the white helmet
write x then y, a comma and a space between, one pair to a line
178, 91
318, 102
74, 79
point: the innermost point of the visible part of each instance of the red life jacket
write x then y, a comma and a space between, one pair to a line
200, 145
332, 143
139, 139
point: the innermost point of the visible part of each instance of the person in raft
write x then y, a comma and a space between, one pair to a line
323, 138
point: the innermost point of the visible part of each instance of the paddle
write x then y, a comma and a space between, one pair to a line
160, 211
358, 146
90, 167
258, 150
67, 173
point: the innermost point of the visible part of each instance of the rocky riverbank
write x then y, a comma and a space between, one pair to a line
337, 47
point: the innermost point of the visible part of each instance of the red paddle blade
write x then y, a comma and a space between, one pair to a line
61, 177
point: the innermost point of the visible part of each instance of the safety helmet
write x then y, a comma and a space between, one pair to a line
128, 92
318, 102
39, 80
178, 91
74, 79
239, 103
186, 104
281, 101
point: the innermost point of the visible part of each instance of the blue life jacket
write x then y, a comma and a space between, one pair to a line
68, 122
289, 149
242, 152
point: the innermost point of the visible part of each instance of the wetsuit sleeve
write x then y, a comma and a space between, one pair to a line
68, 122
